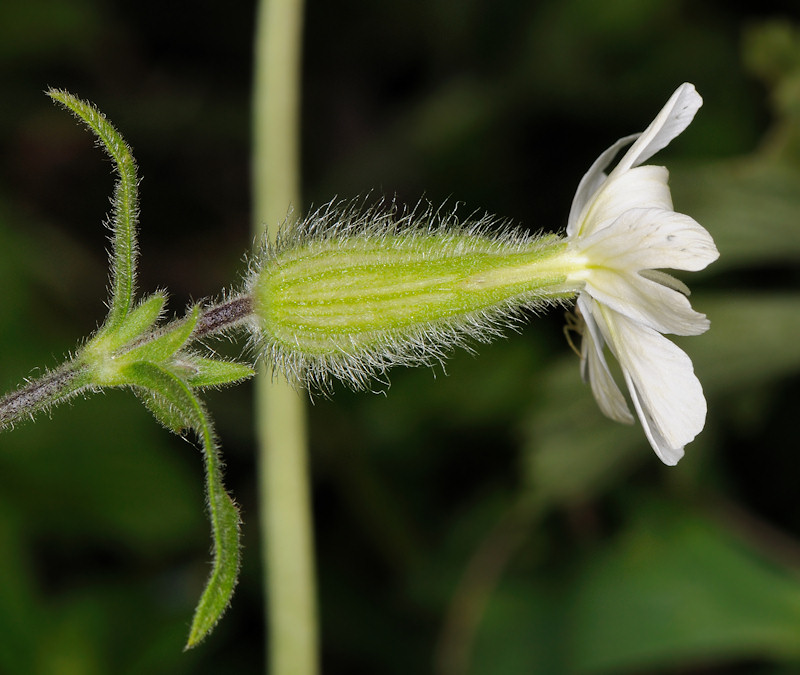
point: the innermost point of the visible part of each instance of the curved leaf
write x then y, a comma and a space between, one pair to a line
167, 387
125, 201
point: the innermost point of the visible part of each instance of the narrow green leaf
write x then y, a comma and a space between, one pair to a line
163, 410
225, 570
137, 322
159, 381
214, 372
125, 204
165, 346
224, 515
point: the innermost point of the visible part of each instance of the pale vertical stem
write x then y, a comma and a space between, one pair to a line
286, 524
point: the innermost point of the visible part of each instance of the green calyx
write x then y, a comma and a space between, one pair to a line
350, 302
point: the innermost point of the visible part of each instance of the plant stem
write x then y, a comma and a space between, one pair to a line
73, 376
221, 317
53, 387
286, 528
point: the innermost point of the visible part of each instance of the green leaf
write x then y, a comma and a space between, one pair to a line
163, 410
677, 588
225, 569
143, 317
673, 591
164, 347
215, 372
125, 204
168, 387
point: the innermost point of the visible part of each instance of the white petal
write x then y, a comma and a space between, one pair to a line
665, 391
645, 239
646, 302
674, 117
592, 180
641, 188
595, 368
667, 454
651, 238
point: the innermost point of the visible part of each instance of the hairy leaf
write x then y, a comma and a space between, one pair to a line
165, 346
214, 372
125, 203
168, 388
143, 317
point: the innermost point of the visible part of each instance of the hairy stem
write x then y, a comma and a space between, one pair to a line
53, 387
223, 316
73, 376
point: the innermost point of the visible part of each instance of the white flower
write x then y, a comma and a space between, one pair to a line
623, 228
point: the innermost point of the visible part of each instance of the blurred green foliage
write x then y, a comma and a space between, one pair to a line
490, 521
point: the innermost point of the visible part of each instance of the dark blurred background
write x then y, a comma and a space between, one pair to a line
487, 521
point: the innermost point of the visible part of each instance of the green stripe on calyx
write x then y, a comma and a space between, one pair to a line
328, 301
